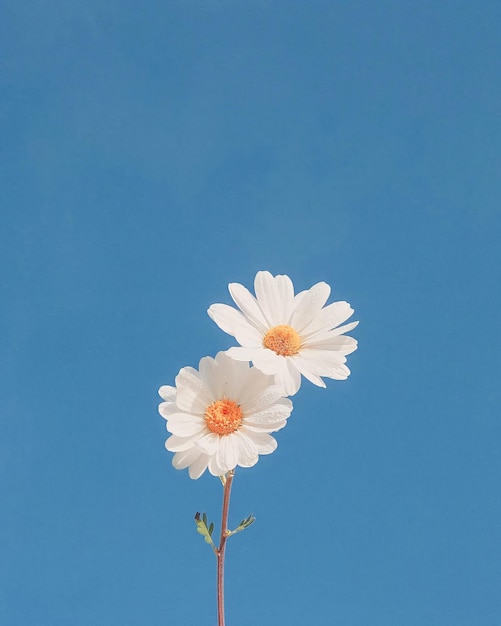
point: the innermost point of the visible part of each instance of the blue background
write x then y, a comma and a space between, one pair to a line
153, 152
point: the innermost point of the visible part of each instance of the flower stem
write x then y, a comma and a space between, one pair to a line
222, 545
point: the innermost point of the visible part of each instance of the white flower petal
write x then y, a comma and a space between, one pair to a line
248, 305
192, 395
198, 467
178, 444
306, 370
222, 376
226, 317
321, 336
345, 328
184, 429
264, 443
267, 361
209, 375
308, 304
248, 336
168, 393
278, 411
266, 429
319, 360
265, 398
242, 354
208, 443
328, 318
166, 409
268, 298
255, 386
227, 453
181, 460
287, 376
232, 374
269, 420
285, 290
236, 324
337, 343
341, 372
214, 468
247, 451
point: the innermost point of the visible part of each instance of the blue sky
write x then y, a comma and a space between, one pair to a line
154, 152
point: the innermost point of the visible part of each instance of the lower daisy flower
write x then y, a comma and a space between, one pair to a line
221, 415
287, 335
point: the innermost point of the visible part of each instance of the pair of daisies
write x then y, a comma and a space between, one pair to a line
222, 415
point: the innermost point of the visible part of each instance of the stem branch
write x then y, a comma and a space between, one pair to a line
222, 545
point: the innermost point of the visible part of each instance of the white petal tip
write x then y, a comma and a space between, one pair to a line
320, 383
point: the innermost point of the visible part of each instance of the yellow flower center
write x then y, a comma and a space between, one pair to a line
283, 340
223, 417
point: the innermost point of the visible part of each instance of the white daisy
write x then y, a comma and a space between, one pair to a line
286, 335
221, 415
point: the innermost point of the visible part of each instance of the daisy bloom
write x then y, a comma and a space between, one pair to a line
221, 415
286, 335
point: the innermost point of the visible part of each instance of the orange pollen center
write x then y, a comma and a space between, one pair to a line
223, 417
283, 340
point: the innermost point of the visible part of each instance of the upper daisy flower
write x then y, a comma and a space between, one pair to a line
286, 335
221, 416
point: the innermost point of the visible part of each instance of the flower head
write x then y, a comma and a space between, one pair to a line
221, 415
286, 335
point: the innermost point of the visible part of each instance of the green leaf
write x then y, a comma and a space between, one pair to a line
203, 530
245, 523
